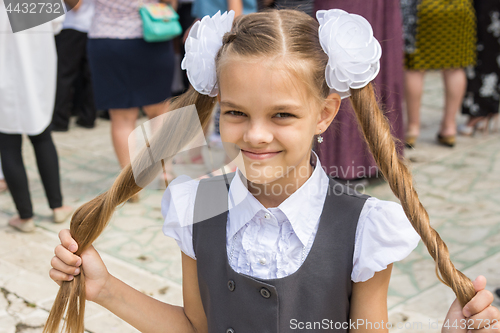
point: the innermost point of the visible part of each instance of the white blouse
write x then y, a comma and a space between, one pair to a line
272, 243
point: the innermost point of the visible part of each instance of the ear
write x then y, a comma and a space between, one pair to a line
328, 112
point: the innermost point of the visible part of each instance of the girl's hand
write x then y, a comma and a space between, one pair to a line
66, 265
478, 314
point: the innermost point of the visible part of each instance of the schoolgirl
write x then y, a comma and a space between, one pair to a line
274, 250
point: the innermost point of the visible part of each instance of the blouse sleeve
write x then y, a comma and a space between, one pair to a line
177, 207
384, 235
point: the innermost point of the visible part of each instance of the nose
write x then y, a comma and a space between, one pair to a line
258, 133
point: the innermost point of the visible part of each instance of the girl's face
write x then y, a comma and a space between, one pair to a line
267, 113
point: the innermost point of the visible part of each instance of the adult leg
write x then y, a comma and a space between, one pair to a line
48, 166
3, 184
68, 43
152, 111
186, 20
122, 124
88, 111
455, 83
414, 84
15, 173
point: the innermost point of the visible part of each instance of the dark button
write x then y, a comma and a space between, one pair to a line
231, 285
230, 330
265, 293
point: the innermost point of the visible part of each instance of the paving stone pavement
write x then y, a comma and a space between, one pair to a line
459, 188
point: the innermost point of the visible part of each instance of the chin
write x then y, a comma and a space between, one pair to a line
262, 174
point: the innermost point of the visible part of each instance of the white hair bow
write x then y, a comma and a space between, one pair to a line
203, 43
353, 53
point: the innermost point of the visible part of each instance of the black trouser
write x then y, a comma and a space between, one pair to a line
15, 173
72, 64
186, 20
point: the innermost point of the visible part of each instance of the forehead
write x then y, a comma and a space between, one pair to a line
260, 83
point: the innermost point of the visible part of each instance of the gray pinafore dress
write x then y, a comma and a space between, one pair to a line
316, 295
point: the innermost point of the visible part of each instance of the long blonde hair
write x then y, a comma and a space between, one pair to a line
293, 37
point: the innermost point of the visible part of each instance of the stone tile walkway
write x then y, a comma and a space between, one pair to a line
459, 187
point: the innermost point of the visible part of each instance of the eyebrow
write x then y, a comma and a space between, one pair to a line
281, 107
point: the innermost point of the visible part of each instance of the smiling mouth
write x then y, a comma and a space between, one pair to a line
259, 156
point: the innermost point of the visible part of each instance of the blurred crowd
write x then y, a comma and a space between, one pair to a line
99, 65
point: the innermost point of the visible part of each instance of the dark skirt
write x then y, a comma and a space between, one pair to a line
130, 73
344, 153
483, 94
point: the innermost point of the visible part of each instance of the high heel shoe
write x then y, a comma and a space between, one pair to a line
446, 140
479, 124
472, 125
410, 140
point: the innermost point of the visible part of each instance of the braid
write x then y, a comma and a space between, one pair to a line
376, 131
90, 220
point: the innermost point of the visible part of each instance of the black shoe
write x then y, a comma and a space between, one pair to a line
57, 128
448, 140
103, 114
85, 125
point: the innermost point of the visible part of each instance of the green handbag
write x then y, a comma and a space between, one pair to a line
160, 22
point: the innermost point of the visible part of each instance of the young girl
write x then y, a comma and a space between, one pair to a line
281, 247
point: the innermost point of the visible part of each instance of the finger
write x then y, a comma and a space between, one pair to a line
479, 283
57, 264
67, 241
67, 257
488, 317
59, 277
478, 303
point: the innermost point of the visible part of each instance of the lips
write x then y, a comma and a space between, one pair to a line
255, 155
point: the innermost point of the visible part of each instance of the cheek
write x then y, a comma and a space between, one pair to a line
296, 140
229, 132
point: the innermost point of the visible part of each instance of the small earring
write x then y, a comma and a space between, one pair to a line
320, 138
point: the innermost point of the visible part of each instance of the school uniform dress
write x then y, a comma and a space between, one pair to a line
267, 269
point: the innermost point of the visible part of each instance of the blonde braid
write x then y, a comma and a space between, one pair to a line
90, 220
376, 131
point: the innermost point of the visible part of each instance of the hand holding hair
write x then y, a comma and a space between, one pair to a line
477, 313
66, 265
